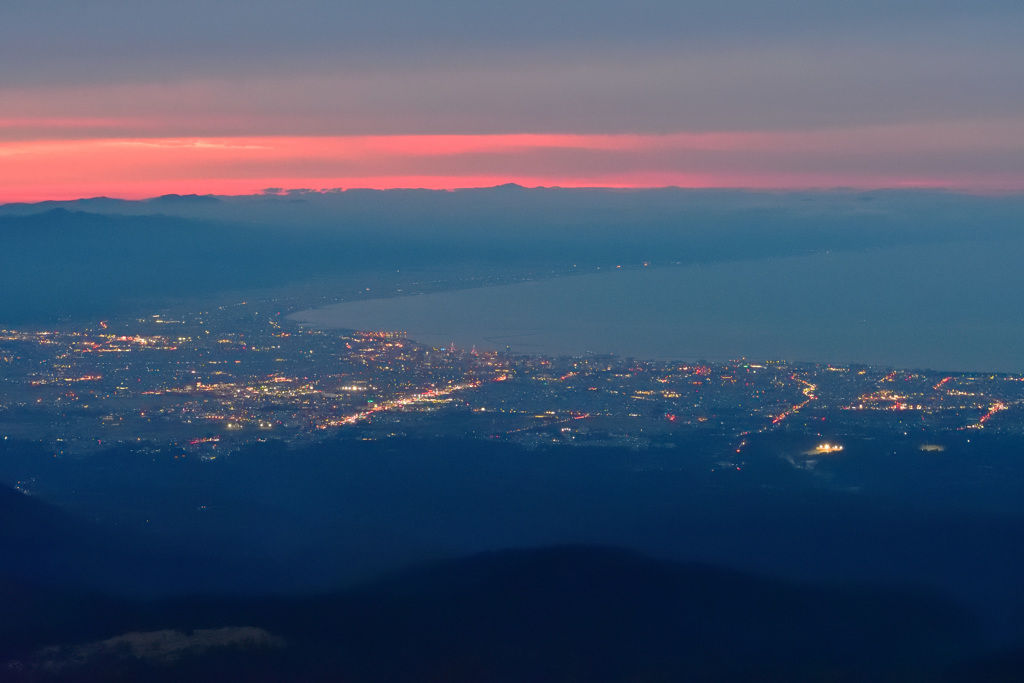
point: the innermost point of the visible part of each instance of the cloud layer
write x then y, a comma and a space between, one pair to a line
805, 94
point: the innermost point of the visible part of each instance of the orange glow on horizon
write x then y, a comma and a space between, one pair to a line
146, 167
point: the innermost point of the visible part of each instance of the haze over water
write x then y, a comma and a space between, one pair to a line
945, 307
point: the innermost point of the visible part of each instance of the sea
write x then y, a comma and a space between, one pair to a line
951, 307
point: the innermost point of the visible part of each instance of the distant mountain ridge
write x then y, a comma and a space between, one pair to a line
96, 256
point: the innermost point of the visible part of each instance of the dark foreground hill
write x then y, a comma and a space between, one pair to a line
559, 613
816, 560
270, 519
567, 613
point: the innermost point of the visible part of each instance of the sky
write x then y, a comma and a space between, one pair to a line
133, 100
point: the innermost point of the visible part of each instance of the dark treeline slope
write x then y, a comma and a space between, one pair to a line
271, 519
582, 613
324, 520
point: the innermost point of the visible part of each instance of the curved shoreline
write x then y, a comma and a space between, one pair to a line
814, 308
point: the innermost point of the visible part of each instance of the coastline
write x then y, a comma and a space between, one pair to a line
918, 317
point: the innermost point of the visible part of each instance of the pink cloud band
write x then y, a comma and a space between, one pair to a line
987, 160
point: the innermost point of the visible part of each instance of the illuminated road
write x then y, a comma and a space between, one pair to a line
807, 391
399, 403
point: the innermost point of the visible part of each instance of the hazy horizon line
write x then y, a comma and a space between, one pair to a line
301, 191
